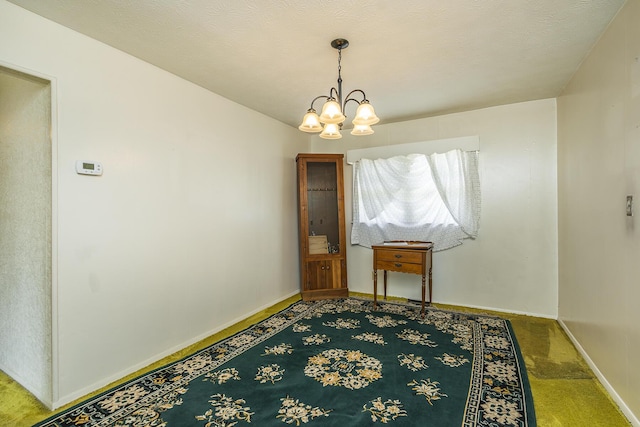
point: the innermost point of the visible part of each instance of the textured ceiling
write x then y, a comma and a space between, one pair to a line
413, 58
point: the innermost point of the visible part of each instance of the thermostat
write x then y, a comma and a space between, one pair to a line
85, 167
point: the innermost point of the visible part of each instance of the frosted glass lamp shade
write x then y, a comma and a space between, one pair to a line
361, 130
310, 122
365, 115
331, 131
331, 113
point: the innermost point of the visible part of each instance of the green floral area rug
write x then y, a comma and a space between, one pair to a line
333, 363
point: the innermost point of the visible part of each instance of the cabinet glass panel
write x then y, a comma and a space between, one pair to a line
322, 199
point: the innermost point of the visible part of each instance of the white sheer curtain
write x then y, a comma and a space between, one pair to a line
417, 197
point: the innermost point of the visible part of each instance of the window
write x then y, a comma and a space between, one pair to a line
417, 197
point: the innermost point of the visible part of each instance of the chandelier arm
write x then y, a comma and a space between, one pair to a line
348, 97
347, 100
335, 93
318, 97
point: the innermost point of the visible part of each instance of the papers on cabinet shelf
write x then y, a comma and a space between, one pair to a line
318, 245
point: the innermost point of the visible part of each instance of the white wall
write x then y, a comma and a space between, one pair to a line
192, 225
25, 231
512, 266
599, 165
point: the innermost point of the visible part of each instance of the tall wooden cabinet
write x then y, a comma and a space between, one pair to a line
323, 251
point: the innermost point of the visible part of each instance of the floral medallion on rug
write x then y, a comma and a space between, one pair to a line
333, 363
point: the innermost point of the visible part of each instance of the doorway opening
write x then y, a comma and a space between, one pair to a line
26, 231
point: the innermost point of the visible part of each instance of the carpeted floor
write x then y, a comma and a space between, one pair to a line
565, 391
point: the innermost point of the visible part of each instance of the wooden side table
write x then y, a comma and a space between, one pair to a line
405, 257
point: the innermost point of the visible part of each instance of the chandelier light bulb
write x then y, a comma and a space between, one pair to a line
331, 131
310, 122
361, 130
331, 113
365, 115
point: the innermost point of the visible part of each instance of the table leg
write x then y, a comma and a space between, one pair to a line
430, 286
375, 289
423, 292
385, 284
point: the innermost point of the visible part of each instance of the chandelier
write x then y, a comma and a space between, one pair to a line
332, 116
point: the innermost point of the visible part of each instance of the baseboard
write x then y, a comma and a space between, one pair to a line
501, 310
612, 392
124, 373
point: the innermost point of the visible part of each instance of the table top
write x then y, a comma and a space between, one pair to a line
403, 244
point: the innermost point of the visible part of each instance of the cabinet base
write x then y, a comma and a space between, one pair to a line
319, 294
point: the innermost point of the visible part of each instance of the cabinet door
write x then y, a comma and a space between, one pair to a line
336, 274
323, 209
324, 275
316, 275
